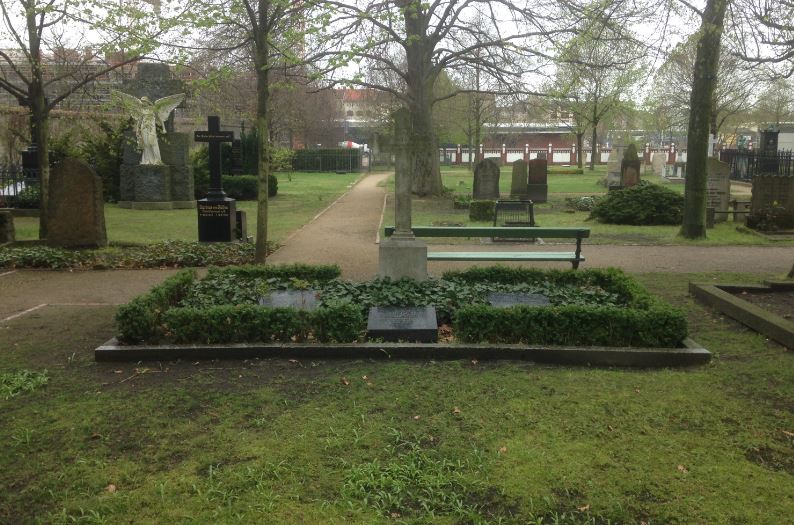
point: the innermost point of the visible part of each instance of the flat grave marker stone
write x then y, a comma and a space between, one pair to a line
506, 300
298, 299
403, 323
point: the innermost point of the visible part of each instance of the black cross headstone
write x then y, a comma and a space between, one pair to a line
217, 214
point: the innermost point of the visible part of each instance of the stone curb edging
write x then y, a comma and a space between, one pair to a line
691, 354
719, 296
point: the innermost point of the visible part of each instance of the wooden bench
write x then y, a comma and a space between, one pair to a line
574, 257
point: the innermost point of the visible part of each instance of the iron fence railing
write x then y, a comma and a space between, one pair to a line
746, 164
19, 187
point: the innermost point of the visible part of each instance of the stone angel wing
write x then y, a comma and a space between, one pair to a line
166, 105
132, 106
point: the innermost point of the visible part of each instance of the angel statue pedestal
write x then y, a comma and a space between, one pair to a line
155, 172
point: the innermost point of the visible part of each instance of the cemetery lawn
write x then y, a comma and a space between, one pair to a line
298, 200
327, 441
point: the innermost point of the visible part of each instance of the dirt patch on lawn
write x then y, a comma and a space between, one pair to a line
780, 303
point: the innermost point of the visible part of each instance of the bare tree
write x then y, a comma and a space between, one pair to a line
776, 102
416, 41
268, 36
762, 32
734, 92
704, 84
46, 67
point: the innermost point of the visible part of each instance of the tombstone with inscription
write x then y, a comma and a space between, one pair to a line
217, 213
486, 180
630, 167
76, 209
658, 162
7, 231
518, 185
718, 187
401, 323
156, 173
298, 299
507, 300
538, 187
613, 170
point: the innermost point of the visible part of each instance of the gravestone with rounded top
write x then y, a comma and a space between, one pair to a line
486, 180
538, 188
718, 187
630, 167
76, 210
658, 162
613, 169
7, 231
518, 184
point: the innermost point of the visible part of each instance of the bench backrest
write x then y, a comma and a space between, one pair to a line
519, 232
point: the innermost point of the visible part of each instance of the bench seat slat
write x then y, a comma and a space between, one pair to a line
503, 256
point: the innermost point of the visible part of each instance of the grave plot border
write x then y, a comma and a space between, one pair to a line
690, 354
720, 297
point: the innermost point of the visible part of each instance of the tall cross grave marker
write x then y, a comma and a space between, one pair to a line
217, 213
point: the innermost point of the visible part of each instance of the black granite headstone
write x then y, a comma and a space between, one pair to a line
298, 299
217, 214
506, 300
397, 323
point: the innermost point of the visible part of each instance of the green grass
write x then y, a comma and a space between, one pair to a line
439, 211
419, 442
298, 200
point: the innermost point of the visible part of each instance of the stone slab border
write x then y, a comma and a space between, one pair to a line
720, 297
690, 354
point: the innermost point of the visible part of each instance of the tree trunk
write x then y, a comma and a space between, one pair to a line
579, 151
791, 273
420, 80
39, 117
42, 139
703, 84
261, 62
593, 148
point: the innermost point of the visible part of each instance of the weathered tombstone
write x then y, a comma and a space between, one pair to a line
506, 300
630, 167
298, 299
237, 157
486, 180
398, 323
658, 162
163, 186
217, 217
718, 187
680, 170
773, 191
241, 227
518, 185
7, 231
76, 209
538, 187
613, 170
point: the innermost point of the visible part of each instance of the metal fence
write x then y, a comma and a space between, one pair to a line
746, 164
19, 187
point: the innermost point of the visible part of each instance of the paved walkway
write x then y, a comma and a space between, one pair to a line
345, 233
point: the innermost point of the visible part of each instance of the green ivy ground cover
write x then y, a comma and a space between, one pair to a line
588, 307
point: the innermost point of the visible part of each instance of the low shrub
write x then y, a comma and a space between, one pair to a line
644, 204
461, 202
771, 218
566, 171
586, 203
140, 319
482, 210
659, 326
43, 257
249, 324
29, 198
306, 272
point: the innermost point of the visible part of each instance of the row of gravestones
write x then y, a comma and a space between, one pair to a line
529, 180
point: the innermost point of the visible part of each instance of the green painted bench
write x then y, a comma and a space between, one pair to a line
506, 232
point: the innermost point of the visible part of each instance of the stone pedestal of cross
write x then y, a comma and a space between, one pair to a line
217, 214
402, 255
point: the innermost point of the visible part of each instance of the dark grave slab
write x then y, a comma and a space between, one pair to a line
396, 323
486, 180
298, 299
217, 220
506, 300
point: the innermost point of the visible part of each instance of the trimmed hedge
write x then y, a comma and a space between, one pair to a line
339, 159
660, 326
250, 324
141, 319
482, 210
306, 272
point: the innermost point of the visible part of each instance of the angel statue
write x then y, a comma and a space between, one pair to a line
147, 115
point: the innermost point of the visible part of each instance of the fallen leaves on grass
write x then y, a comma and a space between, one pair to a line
111, 488
345, 381
682, 469
503, 450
